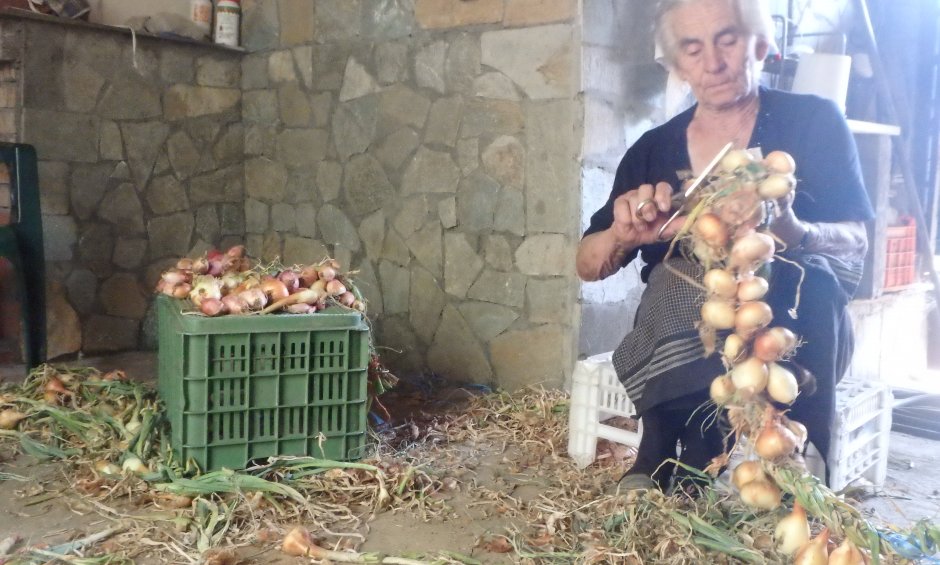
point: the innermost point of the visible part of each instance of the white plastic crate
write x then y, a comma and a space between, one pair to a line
596, 395
858, 449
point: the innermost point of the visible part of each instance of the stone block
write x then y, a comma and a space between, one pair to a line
456, 354
549, 300
183, 154
183, 101
60, 234
232, 220
218, 71
476, 202
398, 147
396, 287
431, 171
425, 304
283, 218
260, 26
495, 85
81, 85
368, 284
104, 334
498, 253
365, 186
265, 179
122, 208
230, 147
67, 136
129, 253
488, 320
462, 66
321, 105
462, 265
429, 66
437, 14
143, 141
63, 328
303, 250
257, 216
468, 154
504, 160
303, 58
541, 60
337, 230
391, 62
545, 255
510, 212
296, 21
96, 247
87, 187
427, 245
552, 167
122, 296
110, 144
82, 286
298, 148
306, 217
224, 185
395, 249
130, 97
255, 71
404, 352
357, 82
294, 106
338, 20
498, 287
207, 224
522, 13
177, 65
414, 212
531, 357
43, 86
444, 121
402, 106
54, 187
372, 234
491, 117
447, 212
329, 180
260, 139
388, 19
166, 195
170, 236
354, 127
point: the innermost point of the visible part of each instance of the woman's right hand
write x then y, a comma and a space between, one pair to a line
639, 214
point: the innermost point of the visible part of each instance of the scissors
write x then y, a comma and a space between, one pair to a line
696, 184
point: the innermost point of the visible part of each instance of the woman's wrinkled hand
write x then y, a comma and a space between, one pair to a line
639, 214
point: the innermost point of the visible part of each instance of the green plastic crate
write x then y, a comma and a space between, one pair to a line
237, 388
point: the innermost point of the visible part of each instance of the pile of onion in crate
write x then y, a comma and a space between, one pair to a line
227, 283
725, 234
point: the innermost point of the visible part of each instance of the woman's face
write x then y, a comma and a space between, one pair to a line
714, 54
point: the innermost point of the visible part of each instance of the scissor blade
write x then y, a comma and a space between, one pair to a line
708, 170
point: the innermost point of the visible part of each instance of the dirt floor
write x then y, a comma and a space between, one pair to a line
501, 491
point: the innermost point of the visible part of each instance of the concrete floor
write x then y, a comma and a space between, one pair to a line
910, 493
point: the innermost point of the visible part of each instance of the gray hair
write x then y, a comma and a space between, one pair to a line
753, 15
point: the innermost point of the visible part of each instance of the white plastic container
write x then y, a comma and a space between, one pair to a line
228, 15
200, 13
596, 395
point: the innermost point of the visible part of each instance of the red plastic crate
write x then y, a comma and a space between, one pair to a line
901, 255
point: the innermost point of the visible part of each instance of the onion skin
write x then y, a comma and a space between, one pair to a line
792, 532
182, 290
235, 304
274, 289
751, 251
290, 279
774, 441
734, 349
718, 314
710, 229
799, 431
748, 471
721, 390
236, 251
751, 317
212, 307
846, 554
720, 283
309, 275
761, 494
347, 299
815, 551
335, 287
327, 273
254, 298
770, 345
752, 288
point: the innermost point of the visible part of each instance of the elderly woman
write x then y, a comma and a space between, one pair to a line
718, 46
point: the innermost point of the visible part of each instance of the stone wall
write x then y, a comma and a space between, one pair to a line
140, 163
433, 146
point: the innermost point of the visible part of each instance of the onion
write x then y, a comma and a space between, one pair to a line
799, 431
720, 283
327, 273
734, 160
214, 254
182, 290
216, 267
212, 307
815, 551
254, 298
200, 266
235, 304
290, 279
300, 308
780, 162
9, 418
752, 316
735, 348
274, 289
185, 264
359, 305
347, 299
792, 532
705, 253
751, 251
781, 384
174, 277
55, 385
774, 344
309, 275
722, 389
205, 287
236, 251
107, 468
750, 375
335, 287
846, 554
776, 186
231, 280
761, 494
718, 314
135, 465
710, 229
747, 472
752, 288
774, 441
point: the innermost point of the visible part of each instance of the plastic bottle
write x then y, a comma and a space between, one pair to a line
200, 13
227, 22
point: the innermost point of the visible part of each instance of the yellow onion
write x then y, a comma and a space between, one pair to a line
748, 471
781, 384
9, 418
774, 440
709, 228
134, 465
776, 186
734, 160
780, 162
752, 288
815, 551
846, 554
720, 283
107, 468
751, 317
751, 251
761, 494
799, 432
722, 389
735, 348
718, 314
750, 375
792, 532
